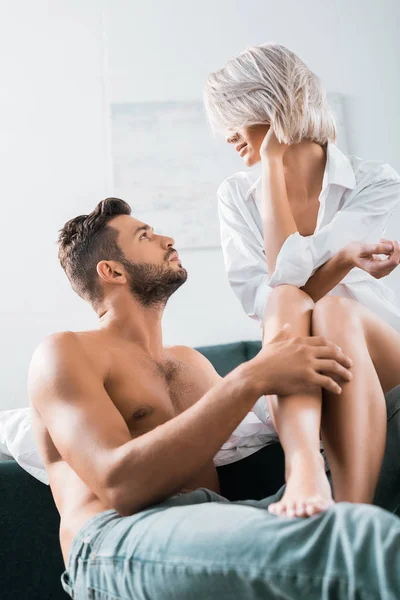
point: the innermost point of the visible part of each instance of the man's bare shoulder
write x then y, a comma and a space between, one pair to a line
195, 359
65, 352
186, 354
58, 344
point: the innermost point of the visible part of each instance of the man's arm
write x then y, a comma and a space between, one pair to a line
93, 438
85, 426
131, 474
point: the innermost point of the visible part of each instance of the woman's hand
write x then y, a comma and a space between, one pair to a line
271, 147
368, 257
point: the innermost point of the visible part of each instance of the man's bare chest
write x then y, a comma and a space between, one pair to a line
148, 393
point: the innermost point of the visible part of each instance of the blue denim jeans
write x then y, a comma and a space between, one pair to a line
201, 546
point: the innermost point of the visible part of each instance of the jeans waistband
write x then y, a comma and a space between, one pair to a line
86, 542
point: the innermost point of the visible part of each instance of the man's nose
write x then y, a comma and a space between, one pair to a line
168, 242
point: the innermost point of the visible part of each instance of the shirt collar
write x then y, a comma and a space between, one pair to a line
338, 168
338, 171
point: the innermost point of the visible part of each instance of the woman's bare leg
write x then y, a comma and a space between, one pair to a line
354, 423
297, 418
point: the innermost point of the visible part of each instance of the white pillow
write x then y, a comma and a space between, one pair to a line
16, 441
4, 453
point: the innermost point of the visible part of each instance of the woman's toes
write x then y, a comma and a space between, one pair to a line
316, 505
301, 509
272, 508
311, 507
291, 510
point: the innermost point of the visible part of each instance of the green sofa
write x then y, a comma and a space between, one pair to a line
31, 562
30, 558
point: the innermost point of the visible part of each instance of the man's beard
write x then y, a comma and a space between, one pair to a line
153, 284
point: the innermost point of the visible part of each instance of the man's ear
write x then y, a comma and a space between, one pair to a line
111, 272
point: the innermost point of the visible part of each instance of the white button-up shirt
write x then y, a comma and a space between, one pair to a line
356, 201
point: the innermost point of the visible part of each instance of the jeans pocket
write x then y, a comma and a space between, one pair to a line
95, 594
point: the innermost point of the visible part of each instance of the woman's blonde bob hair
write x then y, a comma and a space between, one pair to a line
270, 84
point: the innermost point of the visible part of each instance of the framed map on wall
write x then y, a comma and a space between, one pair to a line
168, 167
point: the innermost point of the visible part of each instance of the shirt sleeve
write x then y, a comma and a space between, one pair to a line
363, 218
244, 259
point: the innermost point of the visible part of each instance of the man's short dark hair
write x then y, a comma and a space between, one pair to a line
86, 240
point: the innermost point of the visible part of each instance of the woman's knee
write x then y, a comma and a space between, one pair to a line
293, 295
335, 311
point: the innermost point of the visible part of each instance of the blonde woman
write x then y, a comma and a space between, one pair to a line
302, 241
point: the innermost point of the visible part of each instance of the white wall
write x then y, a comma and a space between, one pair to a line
369, 54
53, 133
52, 168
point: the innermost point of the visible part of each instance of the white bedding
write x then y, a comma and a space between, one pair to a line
16, 439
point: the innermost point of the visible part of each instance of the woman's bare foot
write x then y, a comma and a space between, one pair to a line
307, 489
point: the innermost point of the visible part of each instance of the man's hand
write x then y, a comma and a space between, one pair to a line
368, 257
292, 365
271, 148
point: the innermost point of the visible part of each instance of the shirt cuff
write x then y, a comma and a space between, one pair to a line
294, 264
262, 293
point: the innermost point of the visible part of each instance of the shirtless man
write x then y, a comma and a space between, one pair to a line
128, 428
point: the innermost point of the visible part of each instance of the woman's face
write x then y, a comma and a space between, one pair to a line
247, 141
